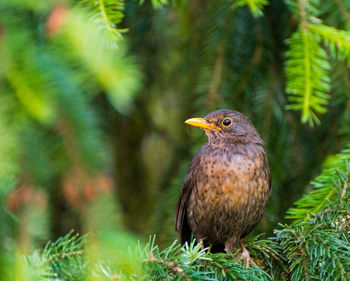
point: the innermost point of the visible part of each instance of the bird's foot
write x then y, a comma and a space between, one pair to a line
245, 255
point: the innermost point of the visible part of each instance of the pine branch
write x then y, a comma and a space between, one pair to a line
318, 248
192, 262
115, 72
330, 184
343, 10
255, 6
308, 81
36, 106
173, 267
307, 66
338, 41
108, 14
64, 255
65, 247
155, 3
315, 249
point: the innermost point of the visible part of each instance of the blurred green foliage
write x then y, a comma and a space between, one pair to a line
93, 95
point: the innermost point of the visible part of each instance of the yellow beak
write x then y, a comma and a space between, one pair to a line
201, 123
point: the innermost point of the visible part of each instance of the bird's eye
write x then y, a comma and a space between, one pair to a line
226, 122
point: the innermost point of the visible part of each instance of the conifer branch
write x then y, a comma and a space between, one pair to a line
109, 13
213, 94
254, 61
345, 186
64, 255
173, 267
338, 41
156, 3
35, 104
343, 10
308, 82
307, 69
255, 6
330, 183
307, 74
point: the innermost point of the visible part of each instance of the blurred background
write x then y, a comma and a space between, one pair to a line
92, 113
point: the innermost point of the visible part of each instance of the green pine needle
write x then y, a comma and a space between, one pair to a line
255, 6
307, 71
337, 41
108, 14
331, 183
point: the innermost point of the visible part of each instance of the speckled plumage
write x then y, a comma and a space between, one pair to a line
227, 185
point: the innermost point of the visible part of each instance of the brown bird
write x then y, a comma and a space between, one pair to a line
227, 186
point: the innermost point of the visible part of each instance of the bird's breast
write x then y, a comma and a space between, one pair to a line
232, 187
231, 179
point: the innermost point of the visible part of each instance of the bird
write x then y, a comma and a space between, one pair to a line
227, 185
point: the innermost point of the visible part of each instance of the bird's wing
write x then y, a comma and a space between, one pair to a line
181, 222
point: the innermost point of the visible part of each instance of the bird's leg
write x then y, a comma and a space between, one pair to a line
202, 244
245, 255
230, 244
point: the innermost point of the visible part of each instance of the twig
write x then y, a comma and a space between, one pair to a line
343, 191
272, 254
343, 10
302, 11
213, 94
216, 265
303, 254
254, 61
286, 270
64, 255
174, 268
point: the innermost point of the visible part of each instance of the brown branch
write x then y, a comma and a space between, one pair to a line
255, 59
217, 266
272, 254
268, 103
343, 191
343, 10
302, 11
334, 257
347, 83
286, 269
213, 94
65, 130
173, 267
64, 255
303, 254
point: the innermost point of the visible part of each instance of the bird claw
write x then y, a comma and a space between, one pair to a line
246, 256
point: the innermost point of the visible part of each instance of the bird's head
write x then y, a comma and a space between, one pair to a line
227, 126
